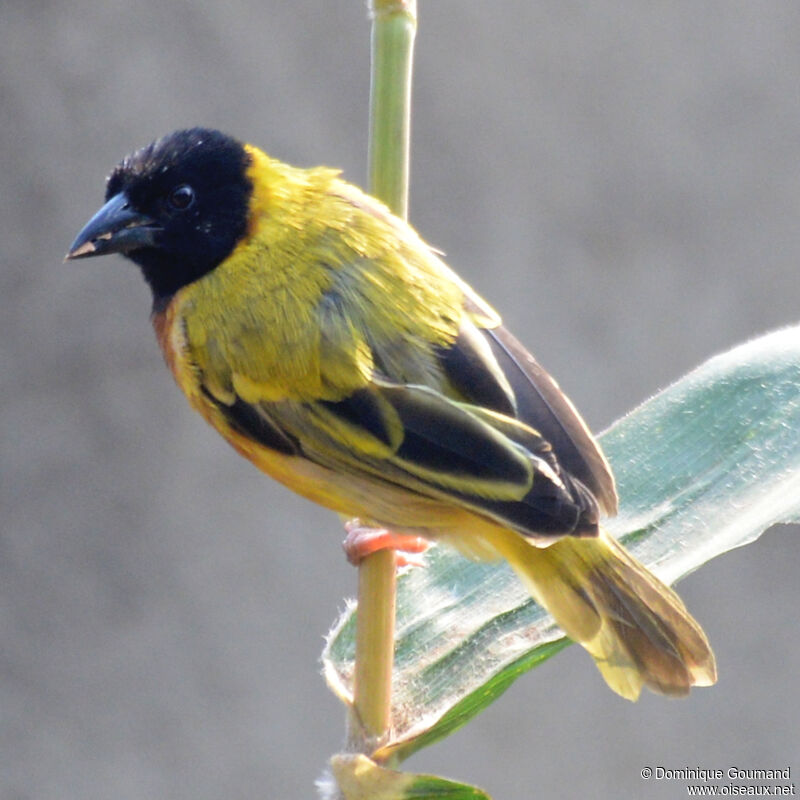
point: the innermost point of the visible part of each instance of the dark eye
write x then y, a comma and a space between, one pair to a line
181, 197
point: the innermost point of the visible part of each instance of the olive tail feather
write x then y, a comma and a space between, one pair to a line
635, 627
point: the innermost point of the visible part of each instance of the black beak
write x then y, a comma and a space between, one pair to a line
115, 228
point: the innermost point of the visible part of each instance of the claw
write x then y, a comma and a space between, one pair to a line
361, 541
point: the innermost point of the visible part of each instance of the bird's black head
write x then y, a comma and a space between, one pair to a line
176, 207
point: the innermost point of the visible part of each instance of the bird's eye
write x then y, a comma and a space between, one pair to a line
181, 197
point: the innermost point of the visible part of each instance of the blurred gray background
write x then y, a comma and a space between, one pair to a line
622, 180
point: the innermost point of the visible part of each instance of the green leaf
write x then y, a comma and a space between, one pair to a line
359, 778
705, 466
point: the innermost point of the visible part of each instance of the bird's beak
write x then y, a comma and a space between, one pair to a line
116, 228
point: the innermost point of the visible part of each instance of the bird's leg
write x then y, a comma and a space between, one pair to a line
361, 541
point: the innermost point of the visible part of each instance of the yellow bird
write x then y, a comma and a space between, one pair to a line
334, 349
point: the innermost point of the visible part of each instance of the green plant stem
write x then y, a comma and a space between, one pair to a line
394, 25
393, 29
372, 681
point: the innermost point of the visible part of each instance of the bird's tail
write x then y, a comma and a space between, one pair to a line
635, 627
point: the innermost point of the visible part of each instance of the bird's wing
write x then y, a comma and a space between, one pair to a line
415, 438
491, 367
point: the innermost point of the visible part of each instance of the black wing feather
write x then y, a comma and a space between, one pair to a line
248, 421
542, 405
471, 375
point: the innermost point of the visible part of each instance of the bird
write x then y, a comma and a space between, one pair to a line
332, 347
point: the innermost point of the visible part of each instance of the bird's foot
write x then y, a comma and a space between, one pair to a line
361, 541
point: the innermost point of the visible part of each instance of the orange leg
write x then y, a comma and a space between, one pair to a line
362, 541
